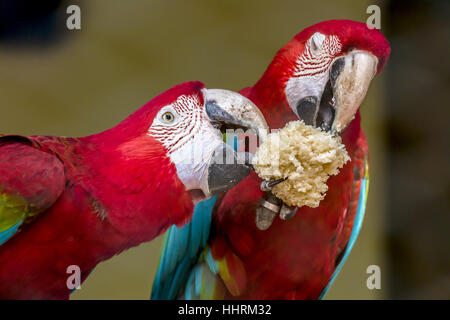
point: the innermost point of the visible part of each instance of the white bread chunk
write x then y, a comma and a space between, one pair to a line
306, 155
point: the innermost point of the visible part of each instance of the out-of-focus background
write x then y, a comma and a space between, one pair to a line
74, 83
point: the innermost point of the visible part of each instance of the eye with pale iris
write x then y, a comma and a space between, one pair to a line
168, 117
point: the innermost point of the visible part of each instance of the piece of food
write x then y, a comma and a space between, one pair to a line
306, 155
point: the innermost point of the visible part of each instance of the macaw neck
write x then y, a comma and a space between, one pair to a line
134, 183
273, 105
352, 133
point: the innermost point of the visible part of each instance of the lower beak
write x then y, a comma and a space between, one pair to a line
228, 110
348, 82
226, 169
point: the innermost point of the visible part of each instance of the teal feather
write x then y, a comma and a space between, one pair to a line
8, 233
178, 277
357, 224
189, 294
212, 264
180, 252
198, 280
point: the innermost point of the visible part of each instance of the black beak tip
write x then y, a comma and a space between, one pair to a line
222, 177
227, 169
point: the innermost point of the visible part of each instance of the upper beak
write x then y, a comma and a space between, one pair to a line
349, 80
230, 110
351, 86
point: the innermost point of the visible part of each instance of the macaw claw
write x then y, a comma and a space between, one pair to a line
267, 185
287, 212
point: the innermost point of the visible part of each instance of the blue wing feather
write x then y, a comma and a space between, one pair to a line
359, 217
180, 252
8, 233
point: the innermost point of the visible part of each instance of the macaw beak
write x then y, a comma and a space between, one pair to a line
349, 80
229, 110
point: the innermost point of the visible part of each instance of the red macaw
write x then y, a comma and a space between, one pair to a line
321, 76
79, 201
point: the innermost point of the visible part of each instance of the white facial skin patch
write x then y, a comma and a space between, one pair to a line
311, 68
190, 139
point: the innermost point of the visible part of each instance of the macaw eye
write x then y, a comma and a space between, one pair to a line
168, 117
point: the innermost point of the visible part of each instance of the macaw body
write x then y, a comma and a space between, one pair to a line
293, 259
73, 230
78, 201
298, 258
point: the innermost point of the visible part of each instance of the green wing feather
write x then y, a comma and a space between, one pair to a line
30, 182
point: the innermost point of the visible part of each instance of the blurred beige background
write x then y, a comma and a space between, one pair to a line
127, 52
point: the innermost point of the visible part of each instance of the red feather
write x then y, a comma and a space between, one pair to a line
96, 197
295, 259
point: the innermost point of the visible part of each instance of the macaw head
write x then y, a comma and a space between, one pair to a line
189, 129
170, 153
322, 75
